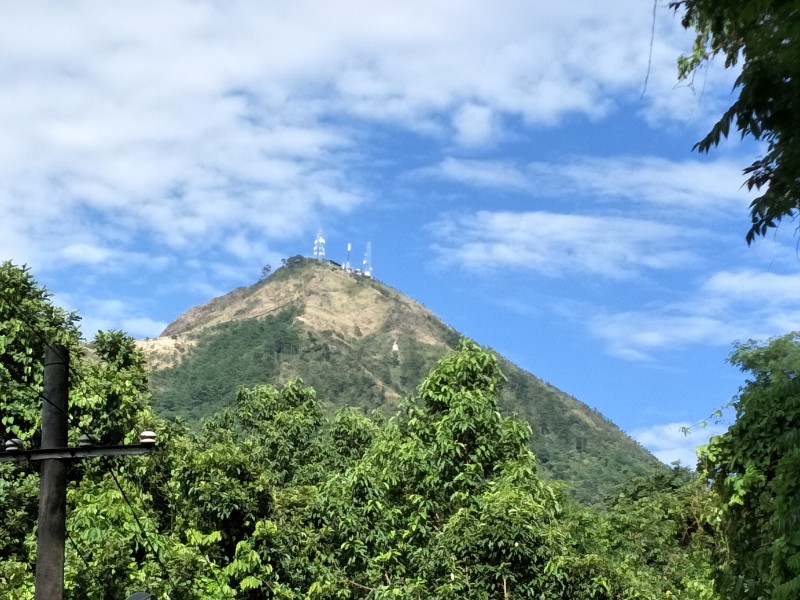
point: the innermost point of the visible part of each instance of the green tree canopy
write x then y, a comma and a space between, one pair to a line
28, 322
272, 500
755, 469
764, 37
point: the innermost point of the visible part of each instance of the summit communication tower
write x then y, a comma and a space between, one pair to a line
347, 262
367, 262
319, 246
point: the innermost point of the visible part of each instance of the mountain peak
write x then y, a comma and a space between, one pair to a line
361, 343
329, 298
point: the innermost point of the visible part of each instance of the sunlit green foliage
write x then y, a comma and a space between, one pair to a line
574, 443
235, 354
755, 470
28, 322
659, 528
270, 499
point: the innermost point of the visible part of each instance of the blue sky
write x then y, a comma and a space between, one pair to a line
504, 158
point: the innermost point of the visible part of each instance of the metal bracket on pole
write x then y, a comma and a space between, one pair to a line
80, 452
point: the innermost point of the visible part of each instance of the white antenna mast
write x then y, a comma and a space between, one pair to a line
367, 262
319, 246
346, 265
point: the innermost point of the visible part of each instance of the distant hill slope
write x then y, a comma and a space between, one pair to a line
359, 342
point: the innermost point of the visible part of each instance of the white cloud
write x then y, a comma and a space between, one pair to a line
699, 187
754, 287
98, 314
84, 253
672, 442
190, 122
478, 173
698, 190
635, 335
556, 244
724, 307
142, 327
475, 125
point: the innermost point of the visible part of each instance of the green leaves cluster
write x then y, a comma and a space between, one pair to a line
763, 37
755, 468
28, 322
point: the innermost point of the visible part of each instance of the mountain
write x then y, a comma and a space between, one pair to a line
362, 343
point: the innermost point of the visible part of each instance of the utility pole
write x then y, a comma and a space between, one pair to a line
53, 455
53, 478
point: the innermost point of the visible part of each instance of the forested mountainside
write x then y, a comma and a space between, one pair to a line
272, 498
360, 343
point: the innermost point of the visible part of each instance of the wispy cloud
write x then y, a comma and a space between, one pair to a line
189, 122
479, 173
102, 315
475, 125
636, 335
769, 290
694, 186
725, 307
557, 245
700, 189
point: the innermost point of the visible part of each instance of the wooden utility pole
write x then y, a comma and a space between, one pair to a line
54, 454
53, 480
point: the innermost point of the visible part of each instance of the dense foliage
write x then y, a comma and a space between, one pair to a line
763, 36
574, 443
235, 354
271, 499
754, 467
28, 322
755, 470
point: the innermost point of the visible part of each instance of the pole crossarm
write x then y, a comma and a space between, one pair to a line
75, 452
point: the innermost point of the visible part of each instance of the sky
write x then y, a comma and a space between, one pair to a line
523, 169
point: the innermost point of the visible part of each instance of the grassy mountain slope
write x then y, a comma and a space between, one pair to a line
338, 332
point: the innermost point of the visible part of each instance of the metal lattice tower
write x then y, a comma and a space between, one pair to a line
319, 246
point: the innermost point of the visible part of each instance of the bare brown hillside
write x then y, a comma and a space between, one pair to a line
332, 300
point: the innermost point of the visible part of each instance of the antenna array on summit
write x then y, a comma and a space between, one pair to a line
319, 246
367, 262
366, 265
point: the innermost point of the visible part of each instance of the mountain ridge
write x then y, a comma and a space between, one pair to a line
361, 343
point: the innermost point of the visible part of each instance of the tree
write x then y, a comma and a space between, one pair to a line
272, 500
658, 527
764, 36
109, 398
266, 270
754, 468
28, 322
447, 503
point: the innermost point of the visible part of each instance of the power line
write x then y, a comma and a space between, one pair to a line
650, 55
85, 562
141, 529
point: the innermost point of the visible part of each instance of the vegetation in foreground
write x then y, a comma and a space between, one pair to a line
444, 500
